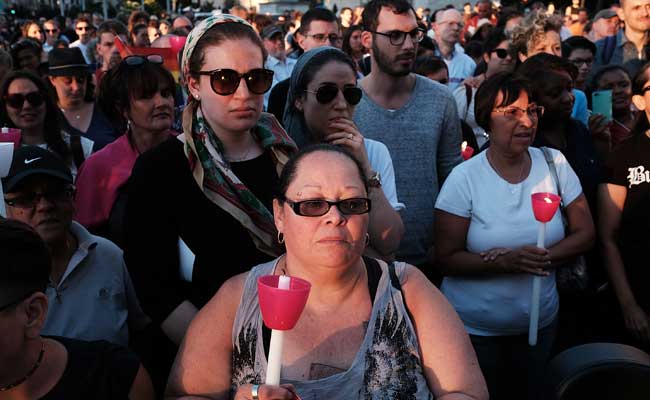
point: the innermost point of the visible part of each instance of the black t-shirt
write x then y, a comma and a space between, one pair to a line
96, 370
629, 166
165, 203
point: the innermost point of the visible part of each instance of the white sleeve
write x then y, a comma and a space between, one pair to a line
455, 197
569, 182
380, 161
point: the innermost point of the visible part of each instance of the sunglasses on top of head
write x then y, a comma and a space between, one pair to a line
135, 61
225, 82
328, 92
17, 100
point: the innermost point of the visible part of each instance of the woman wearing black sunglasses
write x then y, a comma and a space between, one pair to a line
27, 106
208, 191
323, 93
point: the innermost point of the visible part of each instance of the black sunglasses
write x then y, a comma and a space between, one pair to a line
225, 82
30, 200
134, 61
17, 100
326, 93
501, 53
51, 30
317, 208
84, 28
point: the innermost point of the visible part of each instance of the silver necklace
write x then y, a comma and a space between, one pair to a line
242, 158
512, 186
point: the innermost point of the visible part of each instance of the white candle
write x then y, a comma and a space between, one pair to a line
274, 366
534, 300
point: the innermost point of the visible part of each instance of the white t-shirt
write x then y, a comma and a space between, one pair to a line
381, 162
501, 215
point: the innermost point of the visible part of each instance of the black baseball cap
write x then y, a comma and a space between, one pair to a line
270, 31
33, 160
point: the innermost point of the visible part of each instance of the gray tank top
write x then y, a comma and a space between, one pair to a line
387, 365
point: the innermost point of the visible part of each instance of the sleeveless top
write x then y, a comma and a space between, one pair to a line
387, 365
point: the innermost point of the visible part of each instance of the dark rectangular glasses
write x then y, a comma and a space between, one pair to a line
319, 207
326, 93
225, 82
17, 100
397, 37
134, 61
30, 200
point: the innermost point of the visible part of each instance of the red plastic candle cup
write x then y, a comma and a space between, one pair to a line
10, 135
466, 151
177, 43
281, 308
545, 205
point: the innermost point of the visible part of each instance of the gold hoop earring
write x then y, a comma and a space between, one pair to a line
280, 237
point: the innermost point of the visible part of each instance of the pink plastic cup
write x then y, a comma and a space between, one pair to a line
177, 43
10, 135
545, 205
281, 308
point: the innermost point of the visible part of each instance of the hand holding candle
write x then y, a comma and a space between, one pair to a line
282, 300
544, 207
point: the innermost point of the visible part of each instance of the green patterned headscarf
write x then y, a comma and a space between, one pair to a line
212, 171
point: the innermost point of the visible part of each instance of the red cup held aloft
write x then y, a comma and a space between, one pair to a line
281, 308
10, 135
545, 205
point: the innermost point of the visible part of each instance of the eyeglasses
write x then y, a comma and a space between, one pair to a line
579, 61
83, 28
225, 82
317, 208
30, 200
51, 30
501, 53
326, 93
17, 100
533, 111
397, 37
135, 61
321, 38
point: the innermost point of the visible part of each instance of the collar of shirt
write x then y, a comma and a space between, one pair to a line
85, 244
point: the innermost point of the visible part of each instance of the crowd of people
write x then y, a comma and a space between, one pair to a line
385, 154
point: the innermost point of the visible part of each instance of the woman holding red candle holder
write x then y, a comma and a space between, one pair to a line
487, 234
369, 330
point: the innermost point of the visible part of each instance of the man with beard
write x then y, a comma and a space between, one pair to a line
415, 117
277, 60
631, 42
318, 27
448, 27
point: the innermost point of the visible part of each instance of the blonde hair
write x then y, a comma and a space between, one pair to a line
533, 29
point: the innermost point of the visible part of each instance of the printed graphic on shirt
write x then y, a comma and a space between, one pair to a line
391, 368
243, 358
638, 175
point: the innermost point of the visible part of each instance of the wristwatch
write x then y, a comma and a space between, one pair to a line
374, 181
